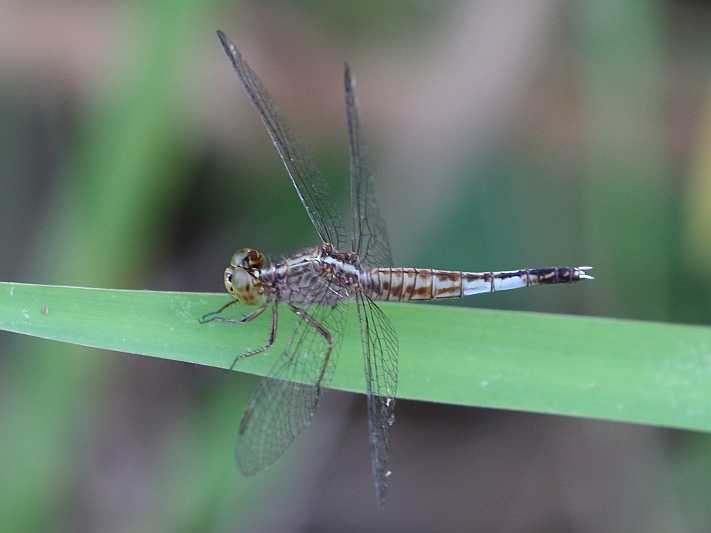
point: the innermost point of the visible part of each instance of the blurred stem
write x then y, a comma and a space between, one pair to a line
117, 192
699, 197
629, 212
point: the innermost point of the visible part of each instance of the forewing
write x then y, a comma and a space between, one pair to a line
380, 358
370, 237
284, 402
309, 184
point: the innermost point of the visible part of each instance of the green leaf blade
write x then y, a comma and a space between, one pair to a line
658, 374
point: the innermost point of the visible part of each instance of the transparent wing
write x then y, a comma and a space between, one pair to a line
370, 237
284, 402
380, 357
308, 182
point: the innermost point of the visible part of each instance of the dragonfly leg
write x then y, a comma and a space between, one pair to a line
311, 321
246, 318
272, 334
209, 317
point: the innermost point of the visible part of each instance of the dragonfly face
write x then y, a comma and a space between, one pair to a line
242, 276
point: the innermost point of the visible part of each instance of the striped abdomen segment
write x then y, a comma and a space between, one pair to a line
404, 284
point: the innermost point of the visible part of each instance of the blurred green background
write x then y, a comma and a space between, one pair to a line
502, 135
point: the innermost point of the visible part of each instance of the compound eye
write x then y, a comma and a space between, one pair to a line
247, 258
254, 259
229, 286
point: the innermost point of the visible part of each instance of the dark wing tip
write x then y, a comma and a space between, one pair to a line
348, 79
229, 47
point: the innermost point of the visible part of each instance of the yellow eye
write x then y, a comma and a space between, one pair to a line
228, 279
242, 277
248, 258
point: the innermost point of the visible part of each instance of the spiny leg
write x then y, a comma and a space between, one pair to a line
246, 318
311, 321
272, 333
214, 314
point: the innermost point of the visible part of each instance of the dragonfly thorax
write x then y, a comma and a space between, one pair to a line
242, 279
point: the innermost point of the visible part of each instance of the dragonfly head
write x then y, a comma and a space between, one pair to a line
242, 276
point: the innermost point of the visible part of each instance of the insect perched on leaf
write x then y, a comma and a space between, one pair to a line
314, 283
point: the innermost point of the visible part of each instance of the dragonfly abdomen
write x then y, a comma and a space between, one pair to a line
406, 284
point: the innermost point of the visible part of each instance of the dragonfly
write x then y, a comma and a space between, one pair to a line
313, 284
